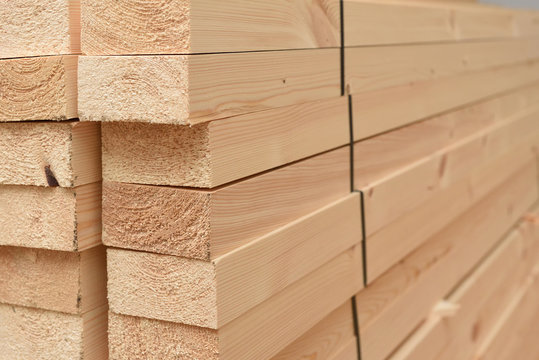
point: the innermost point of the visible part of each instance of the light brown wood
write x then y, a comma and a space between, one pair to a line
206, 224
326, 340
254, 335
54, 218
377, 67
398, 301
38, 88
49, 154
418, 101
190, 89
33, 28
68, 282
214, 153
29, 333
207, 26
163, 287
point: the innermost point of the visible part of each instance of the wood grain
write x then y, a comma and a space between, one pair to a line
46, 153
207, 26
163, 287
38, 88
54, 218
173, 89
385, 313
31, 28
218, 152
206, 224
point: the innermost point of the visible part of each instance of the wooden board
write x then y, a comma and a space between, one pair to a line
38, 88
398, 301
214, 153
418, 101
189, 89
326, 340
28, 333
33, 28
163, 287
206, 224
254, 335
207, 26
63, 154
69, 282
481, 299
377, 22
378, 67
54, 218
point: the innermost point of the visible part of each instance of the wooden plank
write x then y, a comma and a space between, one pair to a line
207, 26
39, 334
398, 301
417, 101
39, 88
206, 224
63, 154
174, 89
409, 186
377, 67
327, 340
30, 28
254, 335
214, 153
54, 218
377, 22
480, 300
69, 282
140, 284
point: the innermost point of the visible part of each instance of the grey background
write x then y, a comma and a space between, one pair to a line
529, 4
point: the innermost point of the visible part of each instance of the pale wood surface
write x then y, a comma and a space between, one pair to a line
255, 335
163, 287
49, 154
207, 26
54, 218
393, 305
207, 224
418, 101
190, 89
45, 27
68, 282
38, 88
212, 154
29, 333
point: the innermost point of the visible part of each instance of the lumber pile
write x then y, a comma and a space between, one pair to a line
53, 301
269, 180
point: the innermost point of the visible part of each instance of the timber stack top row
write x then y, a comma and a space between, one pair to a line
268, 180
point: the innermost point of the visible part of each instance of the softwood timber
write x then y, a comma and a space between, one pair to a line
30, 28
254, 335
480, 301
375, 22
385, 314
54, 218
190, 89
204, 224
38, 88
418, 101
217, 152
377, 67
69, 282
326, 340
163, 287
63, 154
29, 333
207, 26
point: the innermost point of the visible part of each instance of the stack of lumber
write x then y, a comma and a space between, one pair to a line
52, 265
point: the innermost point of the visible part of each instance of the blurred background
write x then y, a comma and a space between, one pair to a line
531, 4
